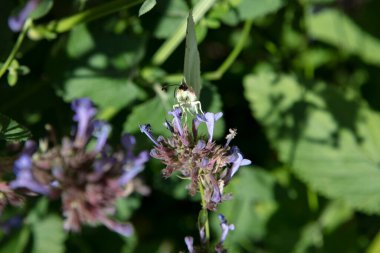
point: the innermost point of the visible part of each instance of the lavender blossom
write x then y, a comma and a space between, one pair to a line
85, 111
219, 248
196, 158
16, 22
88, 180
189, 243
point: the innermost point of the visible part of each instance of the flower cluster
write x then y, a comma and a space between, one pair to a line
88, 178
208, 165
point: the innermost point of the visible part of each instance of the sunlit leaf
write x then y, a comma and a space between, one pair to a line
49, 235
334, 27
146, 6
251, 9
192, 64
109, 93
333, 151
10, 130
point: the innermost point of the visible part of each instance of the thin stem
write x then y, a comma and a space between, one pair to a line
203, 201
66, 24
16, 47
217, 74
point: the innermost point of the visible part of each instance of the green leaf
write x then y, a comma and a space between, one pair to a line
17, 242
192, 63
111, 94
333, 27
49, 236
253, 192
146, 6
79, 33
42, 9
334, 152
10, 130
172, 15
253, 9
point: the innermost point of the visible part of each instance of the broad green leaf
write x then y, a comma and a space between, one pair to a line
192, 63
109, 93
253, 193
331, 140
334, 27
146, 6
334, 215
10, 130
75, 49
49, 236
42, 9
252, 9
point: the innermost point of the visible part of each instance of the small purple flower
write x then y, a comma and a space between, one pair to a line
147, 130
101, 131
190, 244
128, 141
85, 111
225, 227
219, 248
238, 161
125, 229
16, 22
210, 118
25, 178
177, 115
133, 164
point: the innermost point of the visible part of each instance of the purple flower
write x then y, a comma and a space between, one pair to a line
177, 115
16, 22
219, 248
133, 164
147, 130
101, 131
189, 243
89, 181
225, 227
238, 161
197, 158
84, 112
210, 118
25, 178
128, 141
124, 229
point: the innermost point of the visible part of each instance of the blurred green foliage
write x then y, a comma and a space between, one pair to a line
298, 79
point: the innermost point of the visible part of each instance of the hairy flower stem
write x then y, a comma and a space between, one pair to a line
204, 208
16, 47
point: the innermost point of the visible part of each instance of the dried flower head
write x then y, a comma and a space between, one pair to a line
208, 165
88, 179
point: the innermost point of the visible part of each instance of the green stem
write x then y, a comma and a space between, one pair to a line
216, 75
66, 24
16, 47
203, 201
